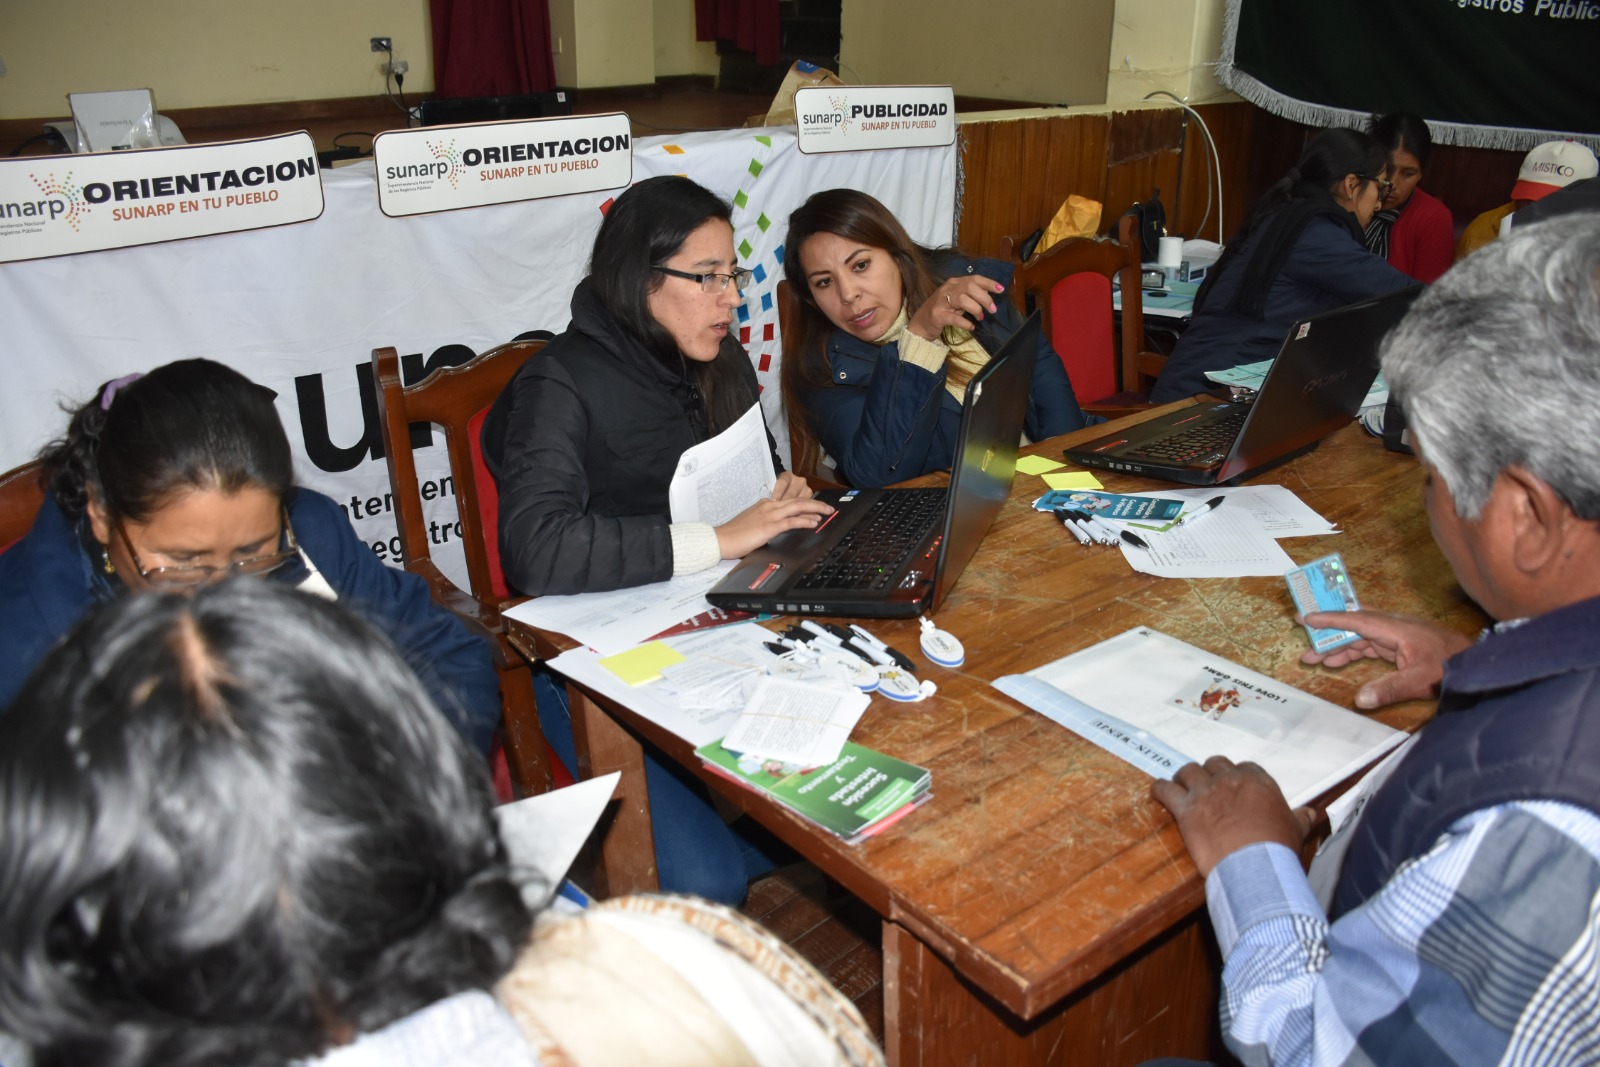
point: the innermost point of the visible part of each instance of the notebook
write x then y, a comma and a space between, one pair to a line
929, 533
1316, 385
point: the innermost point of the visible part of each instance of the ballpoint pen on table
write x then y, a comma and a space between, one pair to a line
1130, 538
1204, 509
1112, 533
877, 647
1072, 527
1085, 522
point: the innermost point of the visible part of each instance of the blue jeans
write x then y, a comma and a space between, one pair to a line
696, 852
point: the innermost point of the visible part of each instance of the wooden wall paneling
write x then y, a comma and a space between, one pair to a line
1019, 171
1470, 181
1143, 155
1256, 148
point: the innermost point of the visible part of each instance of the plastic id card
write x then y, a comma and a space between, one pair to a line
1323, 585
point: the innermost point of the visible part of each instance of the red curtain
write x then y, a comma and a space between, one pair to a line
751, 25
491, 47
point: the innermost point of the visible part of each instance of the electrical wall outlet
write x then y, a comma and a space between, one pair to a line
383, 44
399, 66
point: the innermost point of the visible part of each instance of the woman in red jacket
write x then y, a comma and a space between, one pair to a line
1413, 230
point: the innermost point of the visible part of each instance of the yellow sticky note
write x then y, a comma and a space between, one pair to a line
643, 664
1036, 464
1072, 480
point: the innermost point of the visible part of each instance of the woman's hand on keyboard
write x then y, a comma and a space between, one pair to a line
766, 519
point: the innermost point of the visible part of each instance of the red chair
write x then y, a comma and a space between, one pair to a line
457, 399
21, 494
1070, 283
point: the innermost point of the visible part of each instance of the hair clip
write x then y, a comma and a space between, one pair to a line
109, 393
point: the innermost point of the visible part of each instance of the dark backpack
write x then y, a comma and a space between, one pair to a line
1150, 223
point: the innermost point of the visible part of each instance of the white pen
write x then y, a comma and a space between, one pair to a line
1204, 509
1072, 528
1119, 534
1096, 529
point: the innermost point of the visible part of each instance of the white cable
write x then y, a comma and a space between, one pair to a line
1216, 160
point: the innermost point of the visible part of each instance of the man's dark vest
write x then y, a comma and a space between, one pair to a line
1519, 720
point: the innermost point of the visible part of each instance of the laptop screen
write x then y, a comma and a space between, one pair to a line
986, 453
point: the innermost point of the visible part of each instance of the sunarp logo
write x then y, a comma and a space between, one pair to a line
842, 120
62, 200
447, 154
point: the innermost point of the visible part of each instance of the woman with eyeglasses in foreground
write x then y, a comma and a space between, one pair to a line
583, 444
178, 477
236, 831
1299, 253
585, 439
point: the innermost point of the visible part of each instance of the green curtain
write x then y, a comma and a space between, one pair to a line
1490, 73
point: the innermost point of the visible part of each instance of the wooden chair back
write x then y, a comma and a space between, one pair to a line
1070, 283
455, 399
21, 495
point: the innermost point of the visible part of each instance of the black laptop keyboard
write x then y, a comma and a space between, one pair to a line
872, 555
1201, 444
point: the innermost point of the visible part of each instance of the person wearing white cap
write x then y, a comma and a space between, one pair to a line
1551, 166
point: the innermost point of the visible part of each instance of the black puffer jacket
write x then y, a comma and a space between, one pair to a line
583, 444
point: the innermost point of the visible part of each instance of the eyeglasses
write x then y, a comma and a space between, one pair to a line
1385, 186
191, 575
712, 283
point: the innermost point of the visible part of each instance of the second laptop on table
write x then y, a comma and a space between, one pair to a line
895, 553
1315, 386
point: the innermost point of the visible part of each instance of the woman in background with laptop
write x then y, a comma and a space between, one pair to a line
888, 336
1301, 252
583, 444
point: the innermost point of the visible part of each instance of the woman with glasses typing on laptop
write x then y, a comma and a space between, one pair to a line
888, 335
1301, 252
583, 444
176, 478
585, 439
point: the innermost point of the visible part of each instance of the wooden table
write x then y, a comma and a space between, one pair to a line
1041, 907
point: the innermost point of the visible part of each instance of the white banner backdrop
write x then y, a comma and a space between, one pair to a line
300, 308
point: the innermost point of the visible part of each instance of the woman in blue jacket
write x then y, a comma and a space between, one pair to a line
889, 335
1301, 252
183, 476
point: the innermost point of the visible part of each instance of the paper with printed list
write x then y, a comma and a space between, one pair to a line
719, 478
1159, 703
797, 721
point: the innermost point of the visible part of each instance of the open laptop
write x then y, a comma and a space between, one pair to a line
928, 534
1316, 385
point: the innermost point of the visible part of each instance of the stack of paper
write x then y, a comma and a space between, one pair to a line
855, 796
